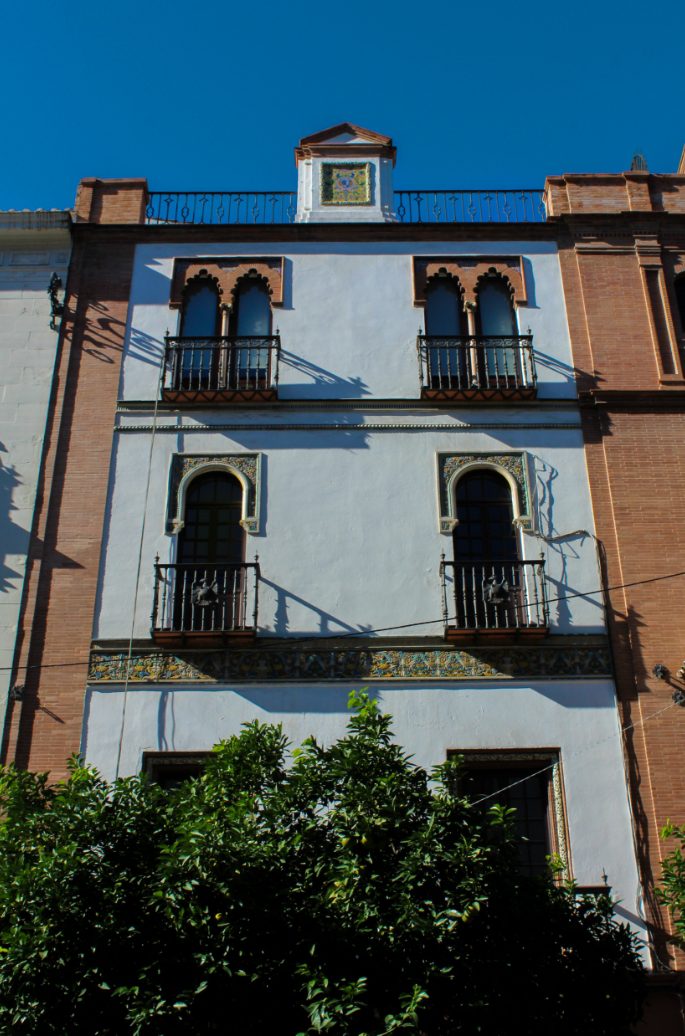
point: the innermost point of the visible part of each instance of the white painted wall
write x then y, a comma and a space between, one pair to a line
349, 537
577, 718
32, 247
348, 324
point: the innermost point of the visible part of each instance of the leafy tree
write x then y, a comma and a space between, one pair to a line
672, 890
347, 891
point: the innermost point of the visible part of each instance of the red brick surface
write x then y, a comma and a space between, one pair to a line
634, 424
57, 619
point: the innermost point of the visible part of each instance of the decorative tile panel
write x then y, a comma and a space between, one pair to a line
346, 183
450, 464
246, 464
273, 664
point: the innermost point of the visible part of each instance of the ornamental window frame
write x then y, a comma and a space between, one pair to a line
186, 467
515, 467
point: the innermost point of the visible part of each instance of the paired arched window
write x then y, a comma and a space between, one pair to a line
484, 354
230, 351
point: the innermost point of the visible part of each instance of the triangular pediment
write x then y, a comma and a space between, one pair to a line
346, 133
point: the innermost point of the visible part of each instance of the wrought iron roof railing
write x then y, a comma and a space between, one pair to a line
274, 207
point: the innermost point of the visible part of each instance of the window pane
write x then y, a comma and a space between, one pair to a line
443, 310
495, 310
530, 798
254, 310
200, 312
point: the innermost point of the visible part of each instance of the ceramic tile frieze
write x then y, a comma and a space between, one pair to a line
449, 464
247, 464
273, 664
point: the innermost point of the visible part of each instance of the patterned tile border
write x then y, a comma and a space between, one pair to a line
268, 664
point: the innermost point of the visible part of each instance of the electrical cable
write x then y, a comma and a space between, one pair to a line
317, 638
574, 755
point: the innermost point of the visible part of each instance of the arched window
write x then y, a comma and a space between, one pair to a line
485, 530
209, 593
486, 553
495, 311
445, 329
252, 330
200, 314
496, 323
444, 314
196, 359
679, 288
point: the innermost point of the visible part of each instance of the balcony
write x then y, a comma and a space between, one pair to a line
477, 367
198, 605
494, 599
276, 207
221, 370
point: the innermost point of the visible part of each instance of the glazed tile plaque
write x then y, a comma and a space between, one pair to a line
346, 183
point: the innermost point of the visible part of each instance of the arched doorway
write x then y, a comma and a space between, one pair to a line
486, 553
210, 591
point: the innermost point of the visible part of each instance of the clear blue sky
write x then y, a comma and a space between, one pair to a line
212, 95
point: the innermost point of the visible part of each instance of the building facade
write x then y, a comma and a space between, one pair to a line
348, 451
34, 257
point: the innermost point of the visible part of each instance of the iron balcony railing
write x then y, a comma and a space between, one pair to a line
205, 598
221, 207
248, 363
235, 207
473, 363
494, 595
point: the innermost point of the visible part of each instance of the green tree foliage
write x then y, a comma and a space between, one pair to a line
672, 890
342, 890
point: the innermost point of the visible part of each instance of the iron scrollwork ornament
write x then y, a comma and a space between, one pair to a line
495, 592
205, 594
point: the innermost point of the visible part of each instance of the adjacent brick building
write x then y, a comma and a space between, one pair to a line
622, 253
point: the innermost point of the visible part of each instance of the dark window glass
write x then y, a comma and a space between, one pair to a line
253, 310
495, 311
200, 311
530, 798
484, 509
444, 316
252, 323
212, 532
447, 361
169, 769
680, 300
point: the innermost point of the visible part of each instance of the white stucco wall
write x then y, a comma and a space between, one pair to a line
348, 324
578, 718
349, 534
32, 247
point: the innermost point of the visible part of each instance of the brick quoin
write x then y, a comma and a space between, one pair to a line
615, 232
57, 617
